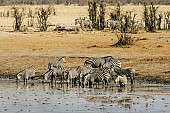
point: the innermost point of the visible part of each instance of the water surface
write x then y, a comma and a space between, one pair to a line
42, 98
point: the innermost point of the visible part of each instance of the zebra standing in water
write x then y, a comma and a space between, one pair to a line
26, 74
122, 80
57, 69
103, 75
72, 75
99, 62
128, 72
82, 71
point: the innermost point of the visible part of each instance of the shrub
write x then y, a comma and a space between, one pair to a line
43, 14
150, 17
124, 39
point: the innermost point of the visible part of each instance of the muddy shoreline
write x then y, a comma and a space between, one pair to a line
12, 65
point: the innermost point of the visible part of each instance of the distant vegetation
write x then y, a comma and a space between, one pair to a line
81, 2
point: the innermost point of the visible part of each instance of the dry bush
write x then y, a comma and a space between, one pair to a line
43, 15
150, 17
124, 39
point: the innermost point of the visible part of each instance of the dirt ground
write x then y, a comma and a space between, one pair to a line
149, 55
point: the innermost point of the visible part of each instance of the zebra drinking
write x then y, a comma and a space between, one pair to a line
128, 72
48, 74
72, 75
26, 74
83, 70
122, 80
103, 75
57, 69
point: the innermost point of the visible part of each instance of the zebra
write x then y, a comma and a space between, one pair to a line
58, 71
54, 73
98, 62
84, 23
103, 75
72, 75
114, 24
128, 72
26, 74
47, 74
122, 80
112, 63
82, 71
56, 64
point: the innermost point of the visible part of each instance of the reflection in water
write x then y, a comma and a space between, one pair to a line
43, 98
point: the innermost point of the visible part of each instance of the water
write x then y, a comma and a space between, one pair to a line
42, 98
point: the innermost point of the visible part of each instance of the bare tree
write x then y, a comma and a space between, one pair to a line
93, 12
18, 15
150, 17
43, 14
101, 16
31, 18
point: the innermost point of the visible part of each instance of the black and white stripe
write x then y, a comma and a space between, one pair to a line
112, 63
103, 75
57, 69
26, 74
98, 62
128, 72
57, 63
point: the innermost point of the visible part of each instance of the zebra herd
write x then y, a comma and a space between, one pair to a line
103, 70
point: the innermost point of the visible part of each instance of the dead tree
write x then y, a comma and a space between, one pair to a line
31, 18
167, 20
18, 15
43, 14
92, 12
115, 15
150, 17
101, 17
159, 20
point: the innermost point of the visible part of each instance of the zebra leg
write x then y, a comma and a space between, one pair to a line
52, 79
131, 79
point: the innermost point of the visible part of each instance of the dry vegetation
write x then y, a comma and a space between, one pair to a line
149, 55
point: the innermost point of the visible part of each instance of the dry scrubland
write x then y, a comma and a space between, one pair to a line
149, 56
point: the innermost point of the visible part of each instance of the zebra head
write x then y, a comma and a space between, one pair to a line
122, 80
62, 60
78, 21
18, 77
47, 74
